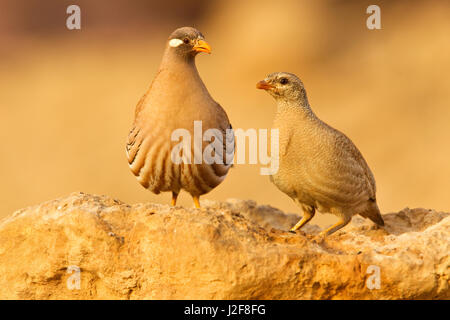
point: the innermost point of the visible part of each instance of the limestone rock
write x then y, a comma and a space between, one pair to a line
229, 250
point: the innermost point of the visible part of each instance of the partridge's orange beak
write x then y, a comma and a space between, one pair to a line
202, 46
264, 85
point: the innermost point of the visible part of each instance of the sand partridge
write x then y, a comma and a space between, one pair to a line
175, 100
319, 167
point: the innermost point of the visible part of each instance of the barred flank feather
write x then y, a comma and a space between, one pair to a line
176, 99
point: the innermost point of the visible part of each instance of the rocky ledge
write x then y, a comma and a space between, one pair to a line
93, 247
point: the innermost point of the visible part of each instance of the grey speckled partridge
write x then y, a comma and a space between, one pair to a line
176, 98
319, 167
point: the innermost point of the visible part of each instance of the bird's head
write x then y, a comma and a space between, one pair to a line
188, 42
283, 86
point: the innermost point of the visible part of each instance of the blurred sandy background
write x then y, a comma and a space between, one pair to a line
67, 98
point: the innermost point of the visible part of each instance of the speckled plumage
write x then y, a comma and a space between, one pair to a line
320, 168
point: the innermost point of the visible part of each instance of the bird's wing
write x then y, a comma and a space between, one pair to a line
141, 103
228, 141
341, 176
133, 145
134, 139
139, 139
355, 157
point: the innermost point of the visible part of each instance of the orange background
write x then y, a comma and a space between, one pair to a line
67, 98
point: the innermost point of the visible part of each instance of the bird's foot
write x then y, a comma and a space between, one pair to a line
319, 239
173, 203
323, 234
196, 201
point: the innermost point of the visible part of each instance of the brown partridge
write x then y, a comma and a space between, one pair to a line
175, 100
319, 167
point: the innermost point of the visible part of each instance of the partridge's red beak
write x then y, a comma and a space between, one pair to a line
202, 46
264, 85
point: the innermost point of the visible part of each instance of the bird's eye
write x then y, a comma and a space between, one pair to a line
283, 80
186, 40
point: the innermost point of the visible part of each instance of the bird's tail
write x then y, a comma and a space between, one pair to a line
373, 213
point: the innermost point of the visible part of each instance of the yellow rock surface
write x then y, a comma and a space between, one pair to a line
226, 250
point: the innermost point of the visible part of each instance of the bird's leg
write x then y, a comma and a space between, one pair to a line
338, 225
196, 201
174, 198
308, 214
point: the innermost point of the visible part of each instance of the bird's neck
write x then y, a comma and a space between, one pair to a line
182, 73
181, 67
171, 58
299, 109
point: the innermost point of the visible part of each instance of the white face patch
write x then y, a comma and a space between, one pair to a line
175, 42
